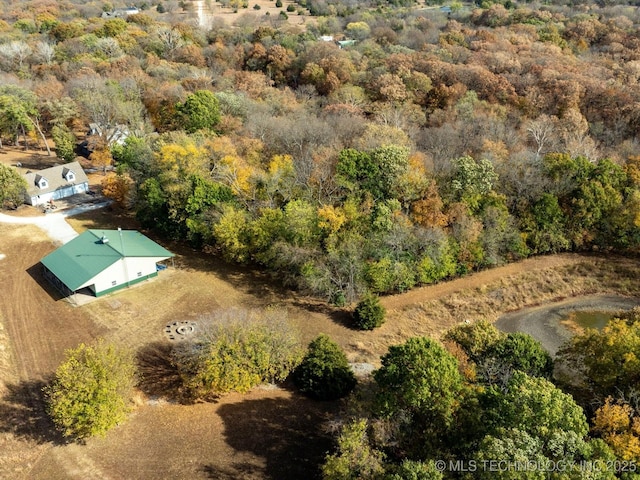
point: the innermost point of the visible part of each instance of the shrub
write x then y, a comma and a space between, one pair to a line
237, 350
324, 372
12, 187
354, 458
369, 313
279, 3
91, 390
291, 8
256, 7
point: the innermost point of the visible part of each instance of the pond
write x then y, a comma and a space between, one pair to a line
549, 323
597, 319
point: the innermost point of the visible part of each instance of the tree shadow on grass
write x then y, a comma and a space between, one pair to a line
340, 316
159, 377
235, 471
285, 432
23, 413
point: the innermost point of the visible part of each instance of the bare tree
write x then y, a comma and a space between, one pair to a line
540, 130
45, 52
109, 47
15, 53
170, 38
114, 108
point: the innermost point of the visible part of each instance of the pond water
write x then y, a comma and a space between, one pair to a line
591, 318
551, 324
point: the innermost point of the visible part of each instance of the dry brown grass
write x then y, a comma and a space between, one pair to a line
584, 275
215, 13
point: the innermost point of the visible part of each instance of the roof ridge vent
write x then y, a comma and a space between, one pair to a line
104, 239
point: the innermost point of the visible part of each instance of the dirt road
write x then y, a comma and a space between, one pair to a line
54, 224
476, 280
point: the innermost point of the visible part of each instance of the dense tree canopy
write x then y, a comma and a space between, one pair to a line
427, 144
428, 147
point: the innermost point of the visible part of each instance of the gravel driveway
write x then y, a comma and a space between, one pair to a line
543, 322
54, 224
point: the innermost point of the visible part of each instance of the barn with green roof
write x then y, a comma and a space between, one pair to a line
102, 261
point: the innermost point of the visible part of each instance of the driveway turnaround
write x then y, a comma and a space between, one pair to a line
54, 224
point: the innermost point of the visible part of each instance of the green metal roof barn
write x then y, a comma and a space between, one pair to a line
104, 261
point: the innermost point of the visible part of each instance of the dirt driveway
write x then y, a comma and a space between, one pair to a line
54, 225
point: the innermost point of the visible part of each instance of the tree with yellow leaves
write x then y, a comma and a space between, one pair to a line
102, 158
331, 219
619, 426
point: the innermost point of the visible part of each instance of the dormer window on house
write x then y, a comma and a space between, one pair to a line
41, 182
68, 175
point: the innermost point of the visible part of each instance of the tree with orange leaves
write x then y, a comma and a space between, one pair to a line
119, 188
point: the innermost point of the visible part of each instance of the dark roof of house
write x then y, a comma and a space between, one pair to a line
84, 257
55, 177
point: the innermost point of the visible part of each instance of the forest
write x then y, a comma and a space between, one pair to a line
432, 146
377, 147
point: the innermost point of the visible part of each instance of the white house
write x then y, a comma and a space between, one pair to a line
113, 135
55, 183
102, 261
121, 12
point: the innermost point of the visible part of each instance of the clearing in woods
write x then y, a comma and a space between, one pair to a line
268, 433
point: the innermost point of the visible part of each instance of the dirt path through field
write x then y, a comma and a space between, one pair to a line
476, 280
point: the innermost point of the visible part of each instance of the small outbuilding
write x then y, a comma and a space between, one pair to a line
103, 261
54, 183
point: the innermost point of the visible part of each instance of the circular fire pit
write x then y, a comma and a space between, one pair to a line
177, 331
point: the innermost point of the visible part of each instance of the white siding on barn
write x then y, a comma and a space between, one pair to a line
116, 273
